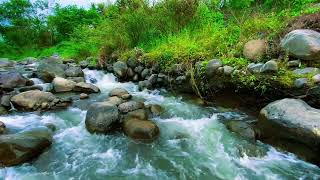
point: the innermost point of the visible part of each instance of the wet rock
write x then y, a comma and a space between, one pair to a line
63, 85
153, 79
86, 88
291, 119
16, 149
242, 128
294, 63
5, 62
119, 92
156, 109
301, 82
140, 114
102, 118
132, 62
114, 100
74, 72
227, 70
84, 96
213, 66
49, 69
130, 106
138, 69
120, 69
35, 99
270, 66
76, 79
255, 68
10, 80
308, 70
255, 49
3, 110
144, 85
145, 131
303, 44
84, 64
2, 128
316, 78
145, 73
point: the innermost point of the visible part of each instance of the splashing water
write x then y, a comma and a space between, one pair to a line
193, 145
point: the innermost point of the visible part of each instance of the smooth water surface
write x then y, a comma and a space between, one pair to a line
193, 144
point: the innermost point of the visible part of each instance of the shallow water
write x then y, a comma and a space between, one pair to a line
193, 144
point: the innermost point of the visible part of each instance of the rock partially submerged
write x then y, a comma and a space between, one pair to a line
10, 80
16, 149
291, 119
145, 131
86, 88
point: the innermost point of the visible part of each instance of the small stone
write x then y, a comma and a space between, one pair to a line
227, 70
308, 70
2, 128
138, 69
84, 96
145, 73
300, 83
270, 66
213, 66
153, 78
316, 78
295, 63
255, 68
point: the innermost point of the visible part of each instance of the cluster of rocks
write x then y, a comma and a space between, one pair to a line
121, 112
18, 89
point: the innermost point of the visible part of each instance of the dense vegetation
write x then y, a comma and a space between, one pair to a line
168, 31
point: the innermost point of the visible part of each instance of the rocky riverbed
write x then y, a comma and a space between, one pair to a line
60, 120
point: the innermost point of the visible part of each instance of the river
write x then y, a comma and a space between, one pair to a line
193, 144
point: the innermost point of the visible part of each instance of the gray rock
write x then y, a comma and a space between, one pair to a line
303, 44
5, 99
227, 70
74, 72
153, 79
130, 106
16, 149
63, 85
114, 100
270, 66
3, 110
145, 73
144, 85
145, 131
294, 63
29, 88
138, 69
133, 62
35, 99
212, 67
242, 128
300, 83
120, 69
76, 79
316, 78
10, 80
291, 119
86, 88
308, 70
255, 68
102, 118
84, 64
49, 69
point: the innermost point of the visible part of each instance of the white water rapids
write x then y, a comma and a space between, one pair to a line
193, 145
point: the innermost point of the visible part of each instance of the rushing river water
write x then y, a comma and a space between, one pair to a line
193, 144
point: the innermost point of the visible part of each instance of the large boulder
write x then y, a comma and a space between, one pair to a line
63, 85
49, 69
102, 117
255, 49
4, 62
120, 69
10, 80
303, 44
86, 88
16, 149
74, 71
145, 131
291, 119
35, 99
